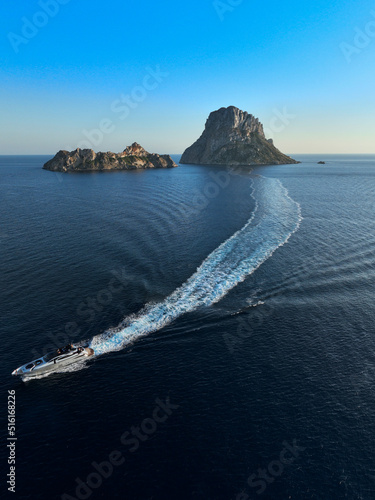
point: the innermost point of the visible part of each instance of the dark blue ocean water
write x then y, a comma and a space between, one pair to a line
204, 286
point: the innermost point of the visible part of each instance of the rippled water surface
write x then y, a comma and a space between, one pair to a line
245, 297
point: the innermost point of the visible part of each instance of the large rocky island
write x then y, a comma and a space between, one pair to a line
86, 160
234, 137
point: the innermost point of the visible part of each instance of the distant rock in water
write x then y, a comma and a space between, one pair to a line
321, 162
234, 137
86, 160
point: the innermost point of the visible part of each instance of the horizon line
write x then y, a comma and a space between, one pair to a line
327, 154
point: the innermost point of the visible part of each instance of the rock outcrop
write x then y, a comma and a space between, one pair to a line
86, 160
234, 137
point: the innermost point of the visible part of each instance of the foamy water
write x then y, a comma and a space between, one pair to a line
275, 218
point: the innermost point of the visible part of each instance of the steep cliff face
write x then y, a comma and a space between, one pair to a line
86, 160
234, 137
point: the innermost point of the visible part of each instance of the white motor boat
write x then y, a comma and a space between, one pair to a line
54, 360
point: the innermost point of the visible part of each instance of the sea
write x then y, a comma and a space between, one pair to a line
231, 312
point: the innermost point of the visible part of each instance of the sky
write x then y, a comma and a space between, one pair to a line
80, 73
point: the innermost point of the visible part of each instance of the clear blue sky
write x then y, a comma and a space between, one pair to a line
65, 71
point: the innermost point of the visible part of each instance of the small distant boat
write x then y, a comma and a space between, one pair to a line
54, 360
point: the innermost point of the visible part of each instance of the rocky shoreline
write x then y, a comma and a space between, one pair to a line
134, 157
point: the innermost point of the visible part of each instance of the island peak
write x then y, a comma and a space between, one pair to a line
234, 137
135, 149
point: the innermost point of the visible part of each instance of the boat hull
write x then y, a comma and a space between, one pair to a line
52, 362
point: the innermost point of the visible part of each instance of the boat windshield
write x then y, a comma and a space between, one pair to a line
68, 350
50, 356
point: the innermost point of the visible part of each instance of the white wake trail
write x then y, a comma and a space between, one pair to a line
276, 217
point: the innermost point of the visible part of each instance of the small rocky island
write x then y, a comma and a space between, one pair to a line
86, 160
234, 137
